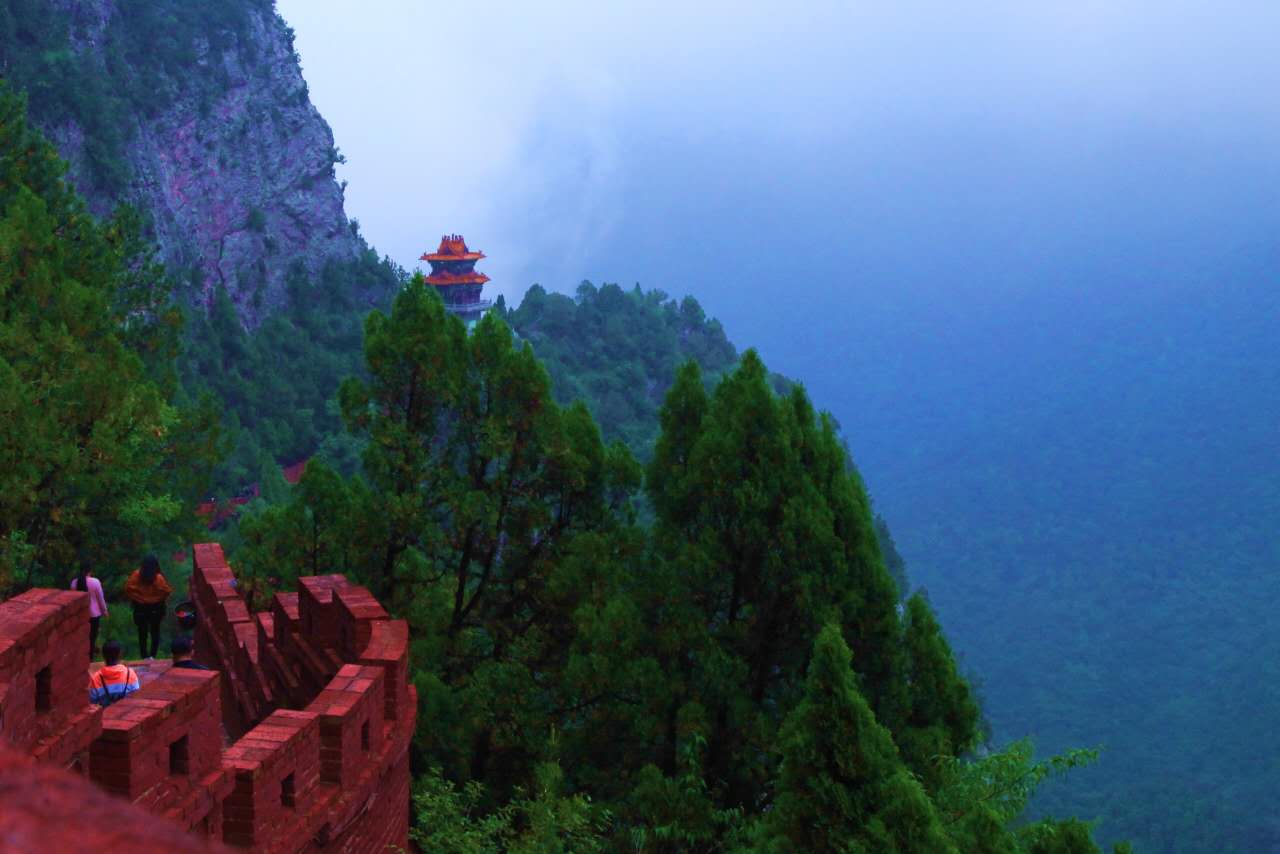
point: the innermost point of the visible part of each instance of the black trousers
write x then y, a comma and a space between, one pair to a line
148, 619
93, 635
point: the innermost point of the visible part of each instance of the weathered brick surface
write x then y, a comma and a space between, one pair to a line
277, 777
297, 740
388, 648
317, 610
45, 809
44, 654
350, 710
357, 613
163, 742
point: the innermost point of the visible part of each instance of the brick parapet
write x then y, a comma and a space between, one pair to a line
312, 698
44, 703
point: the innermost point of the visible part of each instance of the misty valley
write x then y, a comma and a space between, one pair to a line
776, 428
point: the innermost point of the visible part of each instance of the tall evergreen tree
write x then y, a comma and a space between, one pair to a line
842, 786
94, 458
764, 531
942, 720
489, 499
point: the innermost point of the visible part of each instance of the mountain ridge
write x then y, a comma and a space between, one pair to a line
201, 119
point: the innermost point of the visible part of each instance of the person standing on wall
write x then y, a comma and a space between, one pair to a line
86, 583
148, 590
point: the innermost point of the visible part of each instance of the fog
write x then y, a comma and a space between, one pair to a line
1024, 252
540, 129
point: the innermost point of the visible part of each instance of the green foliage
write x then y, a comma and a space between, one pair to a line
943, 720
618, 351
765, 532
97, 460
842, 786
315, 529
482, 486
662, 668
276, 384
484, 504
979, 799
141, 63
893, 561
451, 820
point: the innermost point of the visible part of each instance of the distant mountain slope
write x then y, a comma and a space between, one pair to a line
198, 115
618, 351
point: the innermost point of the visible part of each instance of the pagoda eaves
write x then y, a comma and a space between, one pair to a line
452, 248
444, 277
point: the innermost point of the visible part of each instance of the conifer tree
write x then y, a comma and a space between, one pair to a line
94, 458
841, 786
763, 532
943, 718
486, 496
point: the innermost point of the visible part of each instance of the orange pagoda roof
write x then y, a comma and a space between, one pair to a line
453, 248
443, 277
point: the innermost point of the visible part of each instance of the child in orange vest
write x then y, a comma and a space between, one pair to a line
114, 681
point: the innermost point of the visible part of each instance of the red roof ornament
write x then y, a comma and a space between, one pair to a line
452, 248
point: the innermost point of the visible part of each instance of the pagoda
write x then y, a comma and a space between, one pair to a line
453, 273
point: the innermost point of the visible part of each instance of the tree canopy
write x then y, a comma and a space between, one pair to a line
97, 460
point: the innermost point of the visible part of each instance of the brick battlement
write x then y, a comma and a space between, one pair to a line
296, 741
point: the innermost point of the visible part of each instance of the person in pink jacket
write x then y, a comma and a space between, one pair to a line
97, 602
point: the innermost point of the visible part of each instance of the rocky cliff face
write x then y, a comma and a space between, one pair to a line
203, 122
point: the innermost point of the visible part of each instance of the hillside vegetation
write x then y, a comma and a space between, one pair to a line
736, 675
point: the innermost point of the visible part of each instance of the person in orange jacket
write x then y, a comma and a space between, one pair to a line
114, 681
148, 590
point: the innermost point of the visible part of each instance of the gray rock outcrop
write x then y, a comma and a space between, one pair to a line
235, 168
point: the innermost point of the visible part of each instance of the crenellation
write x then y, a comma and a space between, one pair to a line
296, 740
357, 611
388, 648
317, 610
351, 717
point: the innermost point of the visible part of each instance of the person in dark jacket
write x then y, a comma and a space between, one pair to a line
181, 648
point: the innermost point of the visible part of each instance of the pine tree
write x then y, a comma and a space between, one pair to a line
95, 461
841, 786
486, 496
943, 720
763, 533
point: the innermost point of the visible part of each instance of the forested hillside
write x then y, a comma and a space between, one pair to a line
601, 683
196, 114
1123, 596
101, 461
618, 351
737, 675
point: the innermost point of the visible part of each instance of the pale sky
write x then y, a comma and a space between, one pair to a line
1025, 251
534, 128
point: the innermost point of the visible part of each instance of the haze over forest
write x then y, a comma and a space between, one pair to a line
1027, 258
1024, 255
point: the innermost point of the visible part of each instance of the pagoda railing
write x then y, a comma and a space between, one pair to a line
477, 305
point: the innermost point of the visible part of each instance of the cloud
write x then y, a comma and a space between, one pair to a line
532, 128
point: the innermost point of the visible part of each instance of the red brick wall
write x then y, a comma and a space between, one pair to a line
162, 748
43, 808
296, 741
277, 778
44, 693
